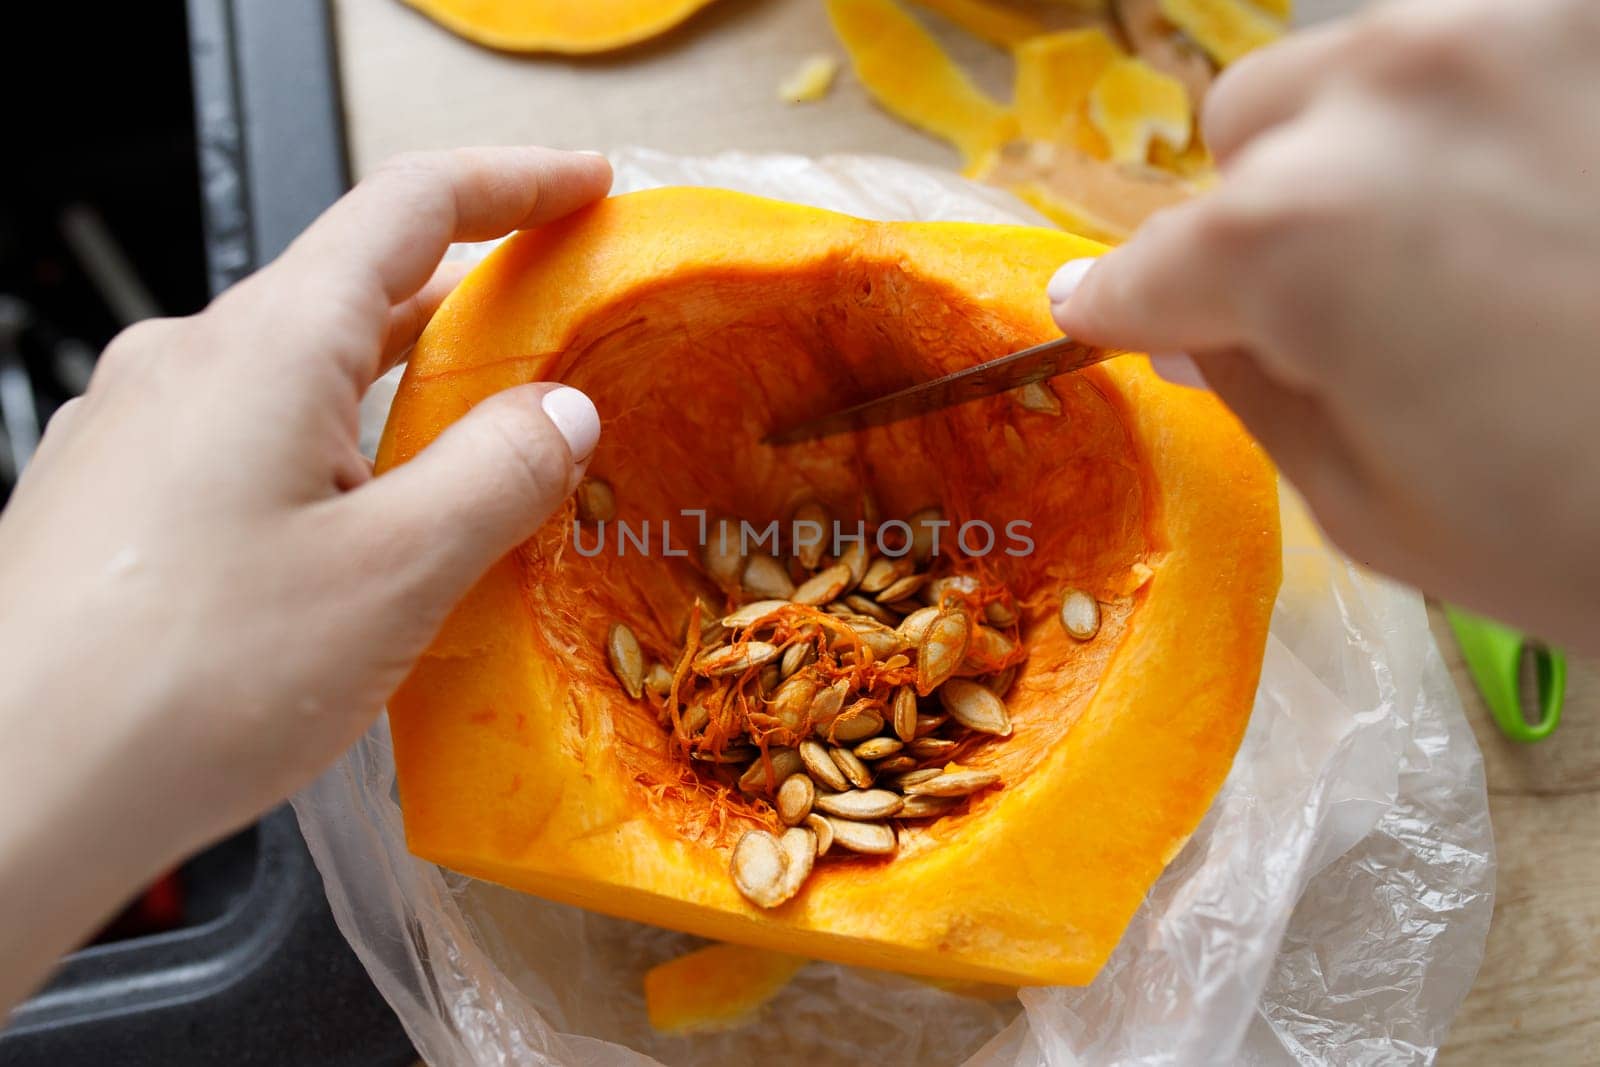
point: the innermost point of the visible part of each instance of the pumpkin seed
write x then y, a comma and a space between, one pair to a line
795, 797
824, 831
903, 588
975, 707
791, 704
911, 778
931, 747
904, 707
1000, 613
860, 804
752, 613
800, 847
825, 706
884, 572
814, 756
958, 783
765, 577
796, 656
823, 586
1001, 683
658, 679
721, 554
1080, 614
1038, 397
758, 865
814, 519
595, 500
867, 838
883, 641
855, 724
987, 650
785, 762
768, 679
922, 807
855, 557
913, 626
870, 608
956, 587
735, 659
942, 649
924, 532
769, 870
858, 773
696, 715
927, 724
627, 659
897, 764
876, 748
734, 753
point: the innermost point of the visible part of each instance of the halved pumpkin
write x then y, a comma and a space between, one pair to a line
696, 319
571, 26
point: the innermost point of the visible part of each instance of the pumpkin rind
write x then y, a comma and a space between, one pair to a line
569, 26
508, 757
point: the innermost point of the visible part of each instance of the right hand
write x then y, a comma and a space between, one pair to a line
1397, 288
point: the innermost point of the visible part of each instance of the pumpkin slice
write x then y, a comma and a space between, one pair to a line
697, 319
911, 77
1133, 105
996, 23
1227, 29
717, 987
1054, 74
571, 26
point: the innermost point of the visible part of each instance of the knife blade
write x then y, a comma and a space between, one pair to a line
1061, 356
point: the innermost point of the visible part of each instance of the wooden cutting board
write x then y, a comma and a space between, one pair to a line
712, 86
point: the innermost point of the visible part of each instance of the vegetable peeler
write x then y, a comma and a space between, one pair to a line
1493, 653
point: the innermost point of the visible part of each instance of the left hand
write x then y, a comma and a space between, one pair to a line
207, 594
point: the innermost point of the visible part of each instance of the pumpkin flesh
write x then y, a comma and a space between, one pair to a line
696, 319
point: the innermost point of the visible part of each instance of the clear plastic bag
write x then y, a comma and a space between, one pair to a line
1331, 908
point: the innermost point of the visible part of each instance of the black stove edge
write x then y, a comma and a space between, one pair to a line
272, 981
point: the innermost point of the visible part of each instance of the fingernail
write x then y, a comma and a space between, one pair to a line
587, 152
1067, 280
1178, 369
575, 416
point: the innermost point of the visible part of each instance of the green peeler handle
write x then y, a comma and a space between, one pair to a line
1494, 657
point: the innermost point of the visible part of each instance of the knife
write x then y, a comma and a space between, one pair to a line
1035, 364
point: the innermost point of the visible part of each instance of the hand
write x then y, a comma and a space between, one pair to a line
1395, 287
207, 594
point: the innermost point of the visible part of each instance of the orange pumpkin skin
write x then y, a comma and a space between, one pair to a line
570, 26
694, 318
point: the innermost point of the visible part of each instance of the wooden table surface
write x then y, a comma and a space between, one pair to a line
710, 86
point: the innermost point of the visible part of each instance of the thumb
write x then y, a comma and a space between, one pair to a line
486, 483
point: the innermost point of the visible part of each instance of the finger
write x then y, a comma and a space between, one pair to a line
397, 223
381, 242
408, 318
1169, 289
1269, 87
483, 486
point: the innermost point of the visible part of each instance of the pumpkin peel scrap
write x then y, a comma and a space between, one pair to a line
1054, 73
717, 987
1227, 30
1133, 105
696, 319
996, 23
911, 77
